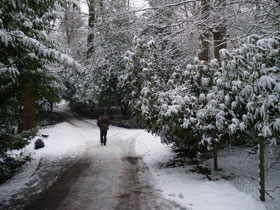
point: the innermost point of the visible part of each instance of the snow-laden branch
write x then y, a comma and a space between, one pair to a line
19, 39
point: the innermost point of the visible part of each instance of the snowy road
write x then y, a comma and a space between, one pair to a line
104, 177
73, 171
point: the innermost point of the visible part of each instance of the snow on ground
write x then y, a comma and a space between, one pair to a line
190, 189
178, 184
241, 166
63, 142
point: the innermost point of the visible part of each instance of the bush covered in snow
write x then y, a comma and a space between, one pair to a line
207, 102
167, 101
251, 83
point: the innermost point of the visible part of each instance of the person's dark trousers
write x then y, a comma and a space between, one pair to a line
103, 136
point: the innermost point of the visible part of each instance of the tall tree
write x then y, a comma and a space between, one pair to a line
219, 38
219, 30
25, 52
112, 34
91, 24
204, 36
253, 92
72, 30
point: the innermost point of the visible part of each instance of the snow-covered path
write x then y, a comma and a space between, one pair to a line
100, 179
124, 175
105, 177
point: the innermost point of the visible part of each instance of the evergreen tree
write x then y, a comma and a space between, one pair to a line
25, 53
252, 73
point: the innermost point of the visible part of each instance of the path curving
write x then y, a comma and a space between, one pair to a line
104, 177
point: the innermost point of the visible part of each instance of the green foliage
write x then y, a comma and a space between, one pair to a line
9, 141
165, 100
26, 55
251, 84
205, 102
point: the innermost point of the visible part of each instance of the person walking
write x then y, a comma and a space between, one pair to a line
103, 124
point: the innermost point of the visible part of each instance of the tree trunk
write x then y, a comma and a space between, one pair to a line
219, 33
28, 119
215, 156
101, 7
91, 22
66, 19
51, 106
204, 36
219, 36
261, 169
125, 111
204, 47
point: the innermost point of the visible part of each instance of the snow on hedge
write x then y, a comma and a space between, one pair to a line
203, 102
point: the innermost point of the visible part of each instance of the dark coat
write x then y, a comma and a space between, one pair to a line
103, 122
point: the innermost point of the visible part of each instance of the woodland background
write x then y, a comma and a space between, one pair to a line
200, 74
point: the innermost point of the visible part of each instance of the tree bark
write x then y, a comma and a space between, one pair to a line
261, 169
219, 36
219, 32
28, 118
66, 19
91, 23
215, 156
204, 36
